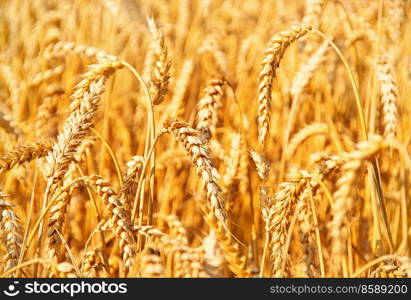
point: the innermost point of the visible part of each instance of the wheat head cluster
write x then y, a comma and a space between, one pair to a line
205, 138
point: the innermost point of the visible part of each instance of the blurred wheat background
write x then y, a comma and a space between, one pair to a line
205, 138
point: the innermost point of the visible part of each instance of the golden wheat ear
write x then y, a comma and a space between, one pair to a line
271, 61
11, 227
389, 94
160, 74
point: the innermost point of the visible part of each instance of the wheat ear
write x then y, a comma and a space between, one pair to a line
207, 117
189, 138
213, 255
272, 58
62, 49
280, 211
10, 225
312, 13
214, 208
47, 110
86, 99
343, 196
91, 263
12, 82
398, 267
160, 75
118, 218
304, 134
22, 154
388, 91
306, 237
134, 167
41, 77
306, 72
151, 263
261, 164
180, 89
281, 208
56, 218
232, 163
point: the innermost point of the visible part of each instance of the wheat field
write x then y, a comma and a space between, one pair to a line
205, 138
